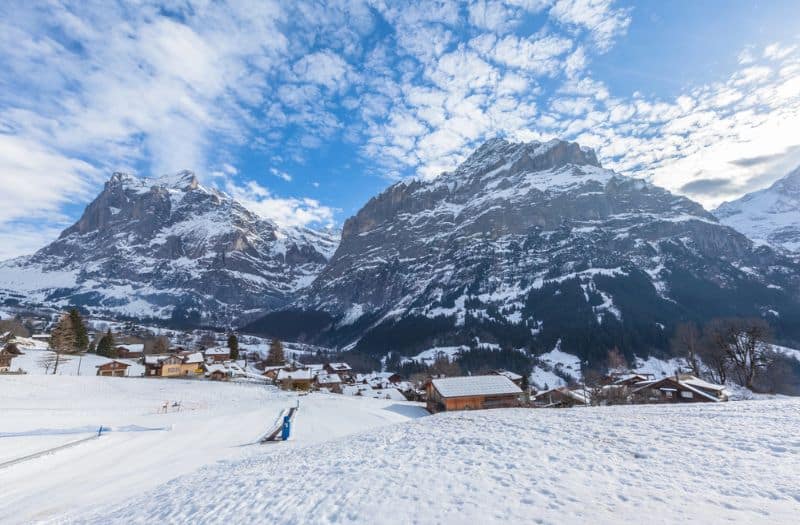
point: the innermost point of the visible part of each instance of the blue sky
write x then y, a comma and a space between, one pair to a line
304, 110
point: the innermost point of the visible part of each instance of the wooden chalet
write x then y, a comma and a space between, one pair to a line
173, 365
294, 379
217, 354
472, 393
113, 369
629, 380
678, 389
561, 397
343, 370
217, 372
331, 382
5, 360
133, 351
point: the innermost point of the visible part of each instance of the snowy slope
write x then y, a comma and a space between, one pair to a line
142, 447
148, 246
727, 463
768, 216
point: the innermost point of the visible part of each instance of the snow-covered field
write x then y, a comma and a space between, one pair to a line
143, 448
722, 463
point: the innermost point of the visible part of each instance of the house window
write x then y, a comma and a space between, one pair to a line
687, 395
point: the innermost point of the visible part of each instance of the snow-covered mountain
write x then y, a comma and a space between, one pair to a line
169, 246
526, 244
768, 216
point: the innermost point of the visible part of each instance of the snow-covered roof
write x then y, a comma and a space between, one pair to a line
112, 361
339, 366
217, 367
196, 357
328, 379
511, 375
684, 384
302, 375
475, 386
217, 350
132, 347
699, 383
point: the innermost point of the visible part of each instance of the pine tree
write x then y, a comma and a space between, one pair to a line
62, 340
275, 356
106, 347
79, 328
233, 346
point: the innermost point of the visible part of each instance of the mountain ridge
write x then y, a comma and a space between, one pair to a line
170, 247
525, 243
768, 216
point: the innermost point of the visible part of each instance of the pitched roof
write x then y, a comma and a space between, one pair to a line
475, 386
339, 366
684, 384
218, 350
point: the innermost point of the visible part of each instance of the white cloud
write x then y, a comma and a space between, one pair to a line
598, 17
285, 212
325, 69
281, 174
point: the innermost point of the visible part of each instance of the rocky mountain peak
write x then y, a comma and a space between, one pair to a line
525, 156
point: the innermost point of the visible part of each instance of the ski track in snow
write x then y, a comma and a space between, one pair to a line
732, 462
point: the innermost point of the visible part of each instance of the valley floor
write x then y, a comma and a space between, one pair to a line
355, 460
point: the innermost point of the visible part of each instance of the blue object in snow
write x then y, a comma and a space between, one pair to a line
287, 427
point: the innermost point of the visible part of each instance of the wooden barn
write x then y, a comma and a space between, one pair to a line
472, 393
113, 369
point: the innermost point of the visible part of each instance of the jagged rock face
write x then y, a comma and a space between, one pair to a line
530, 242
146, 246
769, 216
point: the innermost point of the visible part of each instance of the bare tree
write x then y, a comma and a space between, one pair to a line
686, 343
62, 340
743, 342
157, 345
615, 361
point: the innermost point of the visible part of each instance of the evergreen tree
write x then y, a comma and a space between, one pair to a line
79, 328
233, 346
106, 347
275, 356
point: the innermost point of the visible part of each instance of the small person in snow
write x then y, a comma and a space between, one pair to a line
165, 407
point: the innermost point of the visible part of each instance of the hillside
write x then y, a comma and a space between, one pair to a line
168, 247
527, 244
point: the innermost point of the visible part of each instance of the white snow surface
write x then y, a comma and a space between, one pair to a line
603, 465
144, 448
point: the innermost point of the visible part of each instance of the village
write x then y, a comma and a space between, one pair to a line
221, 357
